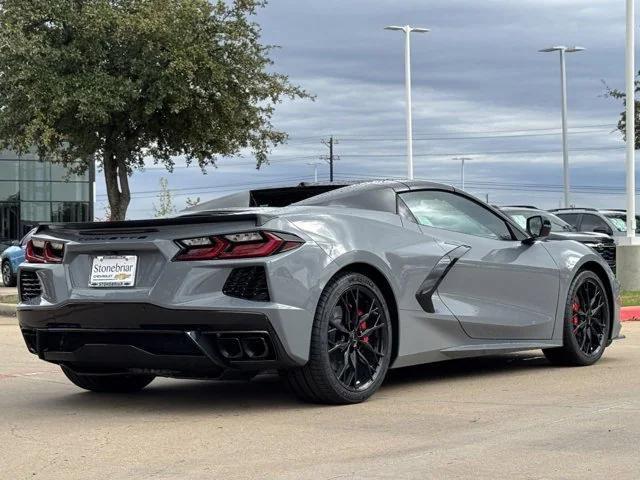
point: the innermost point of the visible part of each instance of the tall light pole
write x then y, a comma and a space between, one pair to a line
407, 29
462, 160
628, 248
631, 121
565, 140
315, 170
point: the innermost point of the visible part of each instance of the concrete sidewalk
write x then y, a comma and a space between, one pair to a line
8, 320
8, 291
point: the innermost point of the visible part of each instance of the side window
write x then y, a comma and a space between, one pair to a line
448, 211
570, 218
591, 223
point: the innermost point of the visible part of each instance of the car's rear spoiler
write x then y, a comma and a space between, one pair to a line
209, 217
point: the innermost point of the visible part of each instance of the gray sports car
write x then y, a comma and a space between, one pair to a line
331, 285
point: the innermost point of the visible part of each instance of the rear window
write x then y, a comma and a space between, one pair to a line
282, 197
619, 221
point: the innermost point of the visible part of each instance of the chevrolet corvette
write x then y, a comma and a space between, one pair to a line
330, 285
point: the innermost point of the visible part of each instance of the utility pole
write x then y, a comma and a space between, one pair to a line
331, 157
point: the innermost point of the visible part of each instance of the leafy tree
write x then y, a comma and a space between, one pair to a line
192, 202
118, 81
165, 200
107, 214
622, 123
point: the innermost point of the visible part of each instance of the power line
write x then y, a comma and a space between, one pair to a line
484, 137
575, 127
498, 152
211, 188
503, 185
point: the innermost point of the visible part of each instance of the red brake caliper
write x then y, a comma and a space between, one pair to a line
363, 326
576, 308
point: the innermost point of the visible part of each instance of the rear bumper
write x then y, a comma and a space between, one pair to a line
114, 337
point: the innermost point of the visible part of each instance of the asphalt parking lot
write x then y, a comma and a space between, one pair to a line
501, 417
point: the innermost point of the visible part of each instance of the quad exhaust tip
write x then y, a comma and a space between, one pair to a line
255, 348
244, 347
230, 348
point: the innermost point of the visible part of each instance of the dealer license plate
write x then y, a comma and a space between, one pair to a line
113, 271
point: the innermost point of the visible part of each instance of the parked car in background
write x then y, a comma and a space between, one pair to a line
610, 222
560, 230
11, 258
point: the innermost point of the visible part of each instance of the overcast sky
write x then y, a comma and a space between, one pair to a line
480, 89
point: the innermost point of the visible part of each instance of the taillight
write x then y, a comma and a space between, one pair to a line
44, 251
236, 246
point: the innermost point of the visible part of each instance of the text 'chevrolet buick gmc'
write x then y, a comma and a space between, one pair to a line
330, 285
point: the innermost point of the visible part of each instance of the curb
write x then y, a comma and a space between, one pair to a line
630, 314
7, 309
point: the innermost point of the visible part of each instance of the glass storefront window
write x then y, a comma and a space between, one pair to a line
9, 191
35, 170
69, 191
9, 223
60, 174
69, 212
35, 212
35, 191
9, 169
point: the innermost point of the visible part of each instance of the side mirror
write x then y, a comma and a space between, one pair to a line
538, 227
15, 243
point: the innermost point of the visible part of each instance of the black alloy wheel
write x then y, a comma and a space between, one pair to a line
351, 344
587, 323
358, 339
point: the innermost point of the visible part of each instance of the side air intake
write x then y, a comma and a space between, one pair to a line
29, 285
249, 283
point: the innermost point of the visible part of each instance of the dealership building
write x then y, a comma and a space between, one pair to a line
33, 191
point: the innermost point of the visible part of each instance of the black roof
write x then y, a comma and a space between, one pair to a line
370, 195
373, 195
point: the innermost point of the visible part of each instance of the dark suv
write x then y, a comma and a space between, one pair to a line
611, 222
561, 230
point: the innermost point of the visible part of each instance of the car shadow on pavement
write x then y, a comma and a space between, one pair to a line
268, 393
451, 370
468, 367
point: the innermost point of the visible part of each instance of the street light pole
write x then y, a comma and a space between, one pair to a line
407, 29
462, 160
315, 170
631, 121
563, 92
628, 248
565, 141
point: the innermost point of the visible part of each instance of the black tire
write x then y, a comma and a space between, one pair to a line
585, 333
367, 345
109, 383
8, 277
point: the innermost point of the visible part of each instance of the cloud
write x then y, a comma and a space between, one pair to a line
478, 71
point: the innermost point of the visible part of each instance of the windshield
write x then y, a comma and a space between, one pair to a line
619, 221
521, 217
